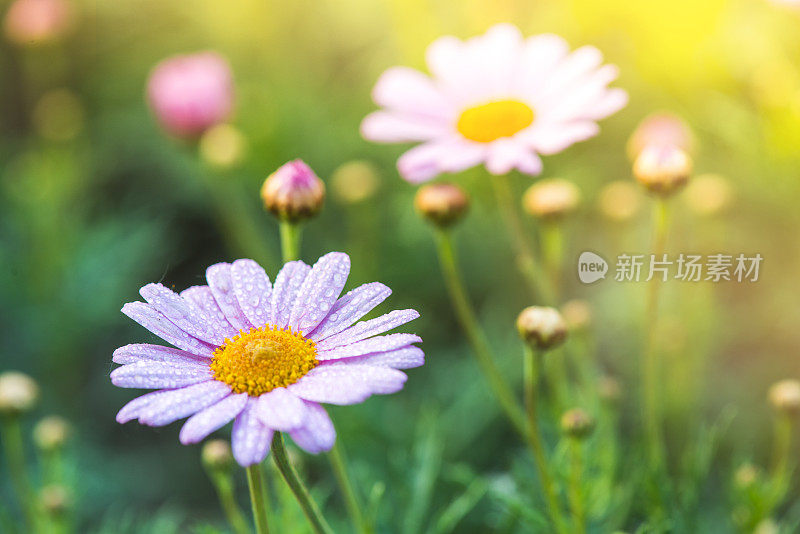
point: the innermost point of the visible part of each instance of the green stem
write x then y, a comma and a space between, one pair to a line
15, 456
651, 364
575, 491
552, 242
339, 464
290, 240
289, 474
474, 333
531, 379
780, 462
526, 261
256, 484
223, 484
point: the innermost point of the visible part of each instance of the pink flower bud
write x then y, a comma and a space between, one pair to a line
293, 192
37, 21
661, 129
189, 94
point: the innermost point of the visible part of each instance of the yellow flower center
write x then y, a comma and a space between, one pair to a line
491, 121
263, 359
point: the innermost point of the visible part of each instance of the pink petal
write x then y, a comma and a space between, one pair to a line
250, 439
253, 290
287, 285
374, 344
347, 384
320, 290
149, 318
204, 299
553, 138
493, 61
366, 329
350, 308
170, 405
206, 421
318, 434
219, 280
405, 358
137, 352
397, 127
613, 101
574, 67
451, 154
157, 375
183, 313
509, 153
411, 92
132, 409
281, 410
539, 57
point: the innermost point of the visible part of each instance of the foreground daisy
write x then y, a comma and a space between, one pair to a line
263, 355
496, 99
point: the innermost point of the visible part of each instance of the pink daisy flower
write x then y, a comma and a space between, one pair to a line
191, 93
496, 99
263, 355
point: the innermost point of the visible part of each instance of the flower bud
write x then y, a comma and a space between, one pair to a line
609, 389
222, 146
18, 393
551, 199
660, 129
577, 424
577, 314
441, 204
55, 500
662, 169
51, 433
785, 396
191, 93
542, 328
293, 193
30, 22
746, 475
708, 194
216, 455
767, 526
620, 201
355, 182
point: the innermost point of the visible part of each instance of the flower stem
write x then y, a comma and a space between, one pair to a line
291, 237
474, 333
290, 241
552, 242
531, 379
224, 488
12, 445
255, 482
310, 508
780, 462
575, 491
339, 463
650, 365
526, 261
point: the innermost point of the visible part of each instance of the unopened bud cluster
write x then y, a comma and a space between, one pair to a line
662, 169
18, 393
441, 204
293, 193
785, 397
551, 199
541, 327
576, 423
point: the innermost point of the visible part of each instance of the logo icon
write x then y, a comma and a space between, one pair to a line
591, 267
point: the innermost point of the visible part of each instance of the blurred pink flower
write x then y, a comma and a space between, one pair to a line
661, 129
191, 93
37, 21
496, 99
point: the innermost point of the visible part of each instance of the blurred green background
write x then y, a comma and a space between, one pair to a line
96, 201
